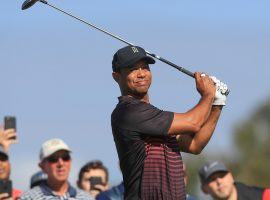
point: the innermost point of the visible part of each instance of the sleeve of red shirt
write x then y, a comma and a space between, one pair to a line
266, 194
16, 193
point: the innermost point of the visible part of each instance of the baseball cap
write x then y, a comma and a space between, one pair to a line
51, 146
210, 168
37, 178
128, 56
3, 152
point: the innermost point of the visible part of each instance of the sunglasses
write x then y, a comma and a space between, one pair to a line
54, 159
3, 158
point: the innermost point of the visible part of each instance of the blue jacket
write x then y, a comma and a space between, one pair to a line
115, 193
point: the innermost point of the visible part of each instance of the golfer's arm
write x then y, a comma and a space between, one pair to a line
195, 143
193, 120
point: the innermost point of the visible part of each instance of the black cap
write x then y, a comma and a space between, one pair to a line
210, 168
37, 178
128, 56
3, 152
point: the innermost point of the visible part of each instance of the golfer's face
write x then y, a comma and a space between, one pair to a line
136, 80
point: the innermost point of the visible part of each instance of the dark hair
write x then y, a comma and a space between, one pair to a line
94, 164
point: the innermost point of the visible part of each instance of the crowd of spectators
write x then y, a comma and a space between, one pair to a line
51, 182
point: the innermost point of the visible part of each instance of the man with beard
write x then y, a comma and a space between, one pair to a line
149, 140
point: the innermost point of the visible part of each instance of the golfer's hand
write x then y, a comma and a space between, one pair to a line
4, 196
205, 85
6, 138
222, 91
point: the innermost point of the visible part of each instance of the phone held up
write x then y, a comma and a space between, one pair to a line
6, 187
95, 180
10, 123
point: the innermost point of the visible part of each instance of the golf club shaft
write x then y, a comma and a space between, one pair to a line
185, 71
85, 22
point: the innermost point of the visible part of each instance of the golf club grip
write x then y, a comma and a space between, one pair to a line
185, 71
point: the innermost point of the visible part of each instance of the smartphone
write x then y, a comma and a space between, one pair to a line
6, 187
95, 180
10, 123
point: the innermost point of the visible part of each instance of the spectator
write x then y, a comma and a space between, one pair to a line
6, 138
115, 193
37, 179
55, 161
93, 178
149, 140
218, 182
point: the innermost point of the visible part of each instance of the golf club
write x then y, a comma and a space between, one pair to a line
28, 3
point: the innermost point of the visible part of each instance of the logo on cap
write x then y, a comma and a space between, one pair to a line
206, 168
135, 50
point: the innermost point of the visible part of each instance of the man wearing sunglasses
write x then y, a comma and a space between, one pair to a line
55, 161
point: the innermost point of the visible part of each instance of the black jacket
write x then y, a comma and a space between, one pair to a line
245, 192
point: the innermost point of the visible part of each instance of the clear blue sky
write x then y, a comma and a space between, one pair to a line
56, 72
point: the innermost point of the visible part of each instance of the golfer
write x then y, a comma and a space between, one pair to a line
149, 140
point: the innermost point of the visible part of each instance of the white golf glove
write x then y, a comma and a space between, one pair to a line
222, 92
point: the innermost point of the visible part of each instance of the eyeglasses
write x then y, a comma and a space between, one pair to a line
54, 159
